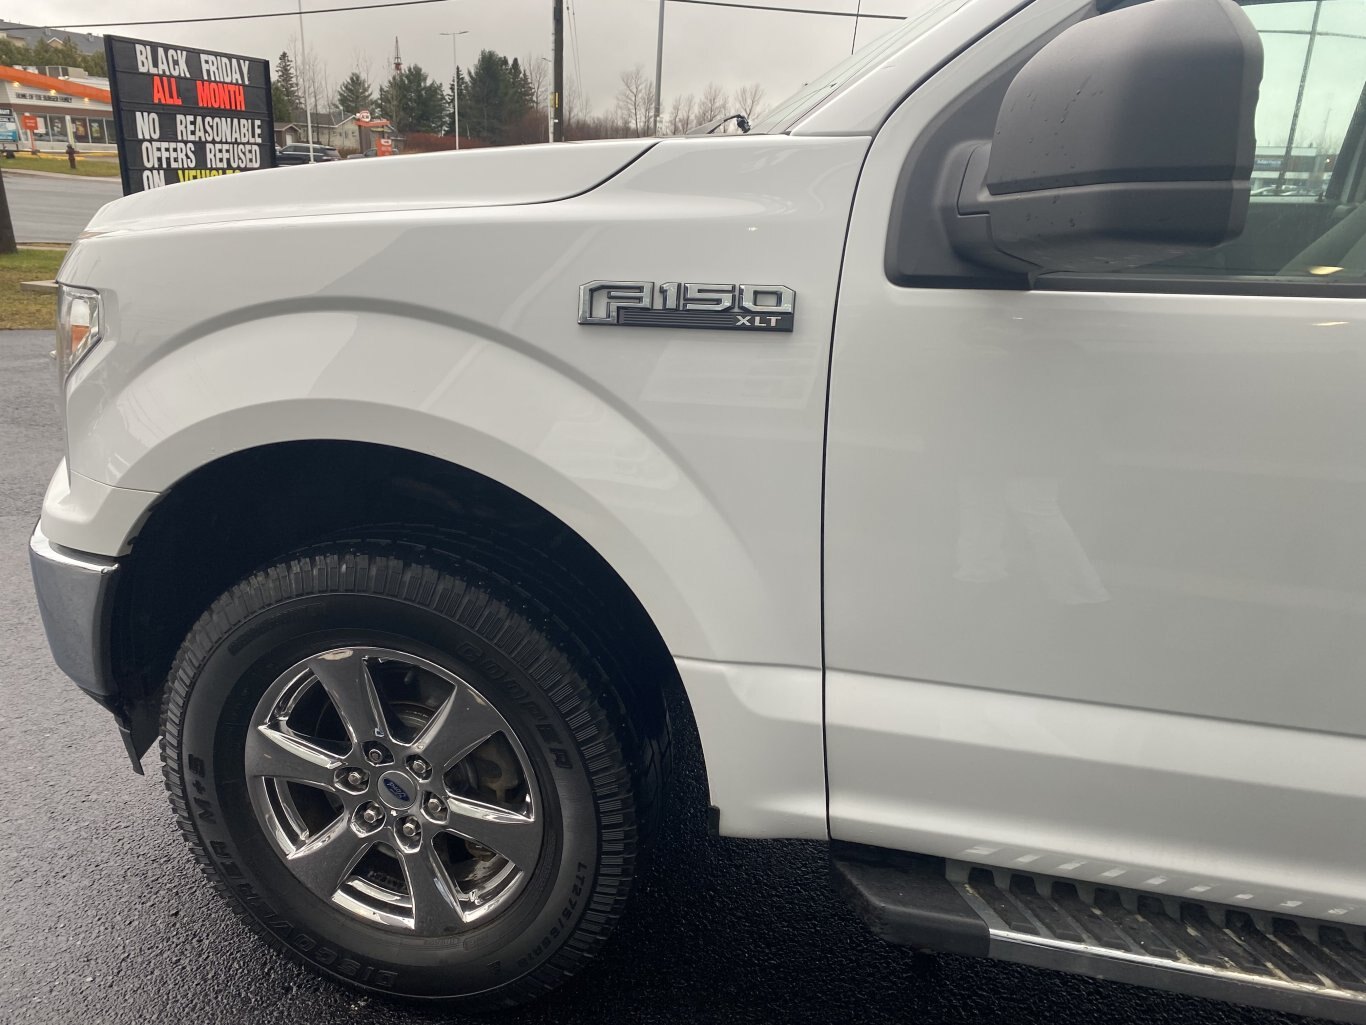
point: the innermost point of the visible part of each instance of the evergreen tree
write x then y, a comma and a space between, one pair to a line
522, 92
280, 104
494, 98
355, 94
61, 52
413, 102
456, 88
284, 90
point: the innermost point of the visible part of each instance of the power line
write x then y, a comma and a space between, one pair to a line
246, 17
420, 3
574, 28
791, 10
574, 42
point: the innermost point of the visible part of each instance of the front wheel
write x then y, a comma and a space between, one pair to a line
404, 771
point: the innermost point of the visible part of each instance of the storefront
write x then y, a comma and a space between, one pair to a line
73, 110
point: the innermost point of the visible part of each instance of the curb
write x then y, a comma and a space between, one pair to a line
27, 172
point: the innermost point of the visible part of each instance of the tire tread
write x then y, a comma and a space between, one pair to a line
624, 766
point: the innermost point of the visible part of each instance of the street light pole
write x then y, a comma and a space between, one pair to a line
659, 66
455, 80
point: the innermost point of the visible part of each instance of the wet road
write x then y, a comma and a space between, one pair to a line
106, 920
55, 207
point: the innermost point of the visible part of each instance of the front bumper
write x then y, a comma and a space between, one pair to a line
74, 591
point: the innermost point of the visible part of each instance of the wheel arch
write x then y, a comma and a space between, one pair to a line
214, 520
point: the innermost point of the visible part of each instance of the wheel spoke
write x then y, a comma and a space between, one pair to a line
464, 722
436, 901
346, 678
516, 837
325, 861
272, 753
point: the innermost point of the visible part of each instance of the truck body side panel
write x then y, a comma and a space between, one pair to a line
1094, 572
690, 460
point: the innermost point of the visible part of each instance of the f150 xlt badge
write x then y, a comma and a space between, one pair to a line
687, 304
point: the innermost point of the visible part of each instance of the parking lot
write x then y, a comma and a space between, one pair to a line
107, 920
55, 207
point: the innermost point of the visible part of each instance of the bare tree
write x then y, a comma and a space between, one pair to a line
749, 100
636, 101
574, 105
711, 104
361, 63
315, 84
682, 114
538, 74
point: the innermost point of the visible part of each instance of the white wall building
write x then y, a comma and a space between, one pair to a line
68, 108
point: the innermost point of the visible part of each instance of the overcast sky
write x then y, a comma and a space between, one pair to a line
701, 44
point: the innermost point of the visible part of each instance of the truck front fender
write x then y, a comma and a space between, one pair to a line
407, 379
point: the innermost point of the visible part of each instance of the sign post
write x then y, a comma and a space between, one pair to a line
29, 123
183, 114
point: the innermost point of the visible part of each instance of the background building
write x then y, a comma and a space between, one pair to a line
71, 107
34, 35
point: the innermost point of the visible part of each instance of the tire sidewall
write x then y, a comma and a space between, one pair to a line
224, 691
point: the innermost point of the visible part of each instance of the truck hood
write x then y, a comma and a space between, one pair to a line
485, 177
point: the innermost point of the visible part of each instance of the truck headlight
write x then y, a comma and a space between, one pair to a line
78, 325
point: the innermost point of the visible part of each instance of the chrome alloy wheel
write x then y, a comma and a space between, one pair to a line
393, 789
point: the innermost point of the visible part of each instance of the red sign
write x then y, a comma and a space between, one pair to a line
384, 147
29, 122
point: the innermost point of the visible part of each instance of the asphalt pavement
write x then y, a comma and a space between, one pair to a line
106, 920
55, 207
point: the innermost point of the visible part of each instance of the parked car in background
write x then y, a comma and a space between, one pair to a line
357, 156
298, 153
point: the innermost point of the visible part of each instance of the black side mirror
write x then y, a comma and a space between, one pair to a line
1126, 140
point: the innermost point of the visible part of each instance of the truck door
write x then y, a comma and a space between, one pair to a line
1096, 547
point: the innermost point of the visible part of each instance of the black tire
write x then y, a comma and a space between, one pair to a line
542, 679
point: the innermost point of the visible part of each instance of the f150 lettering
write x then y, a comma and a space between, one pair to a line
687, 305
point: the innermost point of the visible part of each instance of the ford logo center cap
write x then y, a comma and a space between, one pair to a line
397, 790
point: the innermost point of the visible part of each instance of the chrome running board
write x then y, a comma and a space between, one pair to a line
1200, 949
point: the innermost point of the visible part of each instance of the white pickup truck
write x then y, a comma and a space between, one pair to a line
974, 451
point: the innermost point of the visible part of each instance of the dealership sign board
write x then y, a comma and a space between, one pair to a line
183, 114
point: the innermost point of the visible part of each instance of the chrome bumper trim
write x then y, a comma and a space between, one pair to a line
72, 589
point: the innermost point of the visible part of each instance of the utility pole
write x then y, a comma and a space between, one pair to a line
659, 69
557, 84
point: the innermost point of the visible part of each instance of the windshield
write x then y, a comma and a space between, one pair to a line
781, 117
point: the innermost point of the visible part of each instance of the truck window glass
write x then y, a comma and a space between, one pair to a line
1307, 219
823, 86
